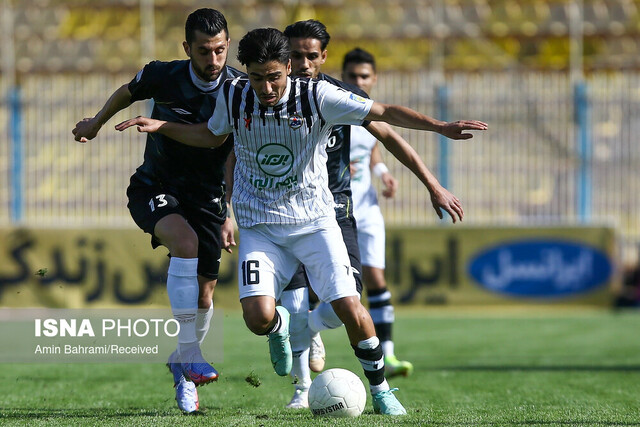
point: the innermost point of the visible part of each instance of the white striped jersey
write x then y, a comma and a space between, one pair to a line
362, 190
280, 175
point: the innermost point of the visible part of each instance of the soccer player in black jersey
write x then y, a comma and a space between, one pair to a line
178, 193
309, 40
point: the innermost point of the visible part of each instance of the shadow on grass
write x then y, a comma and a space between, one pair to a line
557, 368
26, 413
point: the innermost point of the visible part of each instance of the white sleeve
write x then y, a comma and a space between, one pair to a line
341, 107
219, 122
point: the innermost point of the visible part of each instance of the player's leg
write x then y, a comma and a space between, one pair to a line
149, 205
371, 239
323, 316
330, 273
296, 301
183, 288
263, 271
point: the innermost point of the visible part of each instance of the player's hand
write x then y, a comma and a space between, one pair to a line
226, 235
86, 129
455, 130
353, 167
144, 124
441, 199
390, 185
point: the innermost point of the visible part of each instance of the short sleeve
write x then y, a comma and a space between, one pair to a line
219, 123
146, 83
341, 107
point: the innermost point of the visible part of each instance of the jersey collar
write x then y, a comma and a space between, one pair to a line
203, 85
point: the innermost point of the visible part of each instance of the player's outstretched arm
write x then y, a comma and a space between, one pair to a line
441, 198
196, 135
87, 128
407, 118
379, 169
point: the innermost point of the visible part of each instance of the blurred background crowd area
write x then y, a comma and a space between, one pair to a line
557, 81
118, 35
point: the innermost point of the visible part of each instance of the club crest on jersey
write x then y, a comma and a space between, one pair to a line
357, 98
295, 121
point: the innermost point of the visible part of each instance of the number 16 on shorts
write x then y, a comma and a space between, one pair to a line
250, 272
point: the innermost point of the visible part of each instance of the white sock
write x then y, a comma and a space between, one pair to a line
297, 303
323, 317
203, 320
183, 290
387, 348
383, 386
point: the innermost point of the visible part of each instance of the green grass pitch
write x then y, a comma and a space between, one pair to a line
485, 368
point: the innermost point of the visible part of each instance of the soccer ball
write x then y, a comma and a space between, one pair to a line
337, 393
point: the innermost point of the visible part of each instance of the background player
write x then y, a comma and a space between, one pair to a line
178, 194
359, 68
309, 40
281, 199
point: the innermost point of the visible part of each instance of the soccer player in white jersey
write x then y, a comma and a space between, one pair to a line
359, 69
281, 200
309, 40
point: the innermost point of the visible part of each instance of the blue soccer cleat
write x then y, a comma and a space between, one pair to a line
385, 403
280, 347
196, 369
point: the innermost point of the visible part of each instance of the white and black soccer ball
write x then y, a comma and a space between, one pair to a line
337, 393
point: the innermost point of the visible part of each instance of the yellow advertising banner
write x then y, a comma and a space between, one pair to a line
466, 266
77, 268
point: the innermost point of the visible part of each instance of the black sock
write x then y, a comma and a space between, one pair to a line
372, 361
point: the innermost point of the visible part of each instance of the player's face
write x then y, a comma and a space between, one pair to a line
208, 54
269, 80
307, 57
361, 75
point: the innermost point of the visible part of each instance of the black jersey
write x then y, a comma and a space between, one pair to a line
190, 172
339, 146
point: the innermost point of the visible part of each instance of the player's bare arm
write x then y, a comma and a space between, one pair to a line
227, 230
195, 135
389, 182
87, 128
407, 118
441, 198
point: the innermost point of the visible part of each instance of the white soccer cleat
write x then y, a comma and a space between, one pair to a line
186, 393
300, 400
187, 396
317, 353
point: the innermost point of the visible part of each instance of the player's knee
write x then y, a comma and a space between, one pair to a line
347, 308
257, 322
185, 246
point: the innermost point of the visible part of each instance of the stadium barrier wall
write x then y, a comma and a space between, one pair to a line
78, 268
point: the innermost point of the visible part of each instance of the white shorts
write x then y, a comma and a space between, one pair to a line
269, 254
371, 237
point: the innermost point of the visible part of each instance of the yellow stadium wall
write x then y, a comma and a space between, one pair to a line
75, 268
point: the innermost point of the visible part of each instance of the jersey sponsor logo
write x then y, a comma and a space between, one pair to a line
274, 159
247, 123
357, 98
180, 111
295, 121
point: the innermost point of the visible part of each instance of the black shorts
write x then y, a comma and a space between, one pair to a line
148, 204
347, 223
